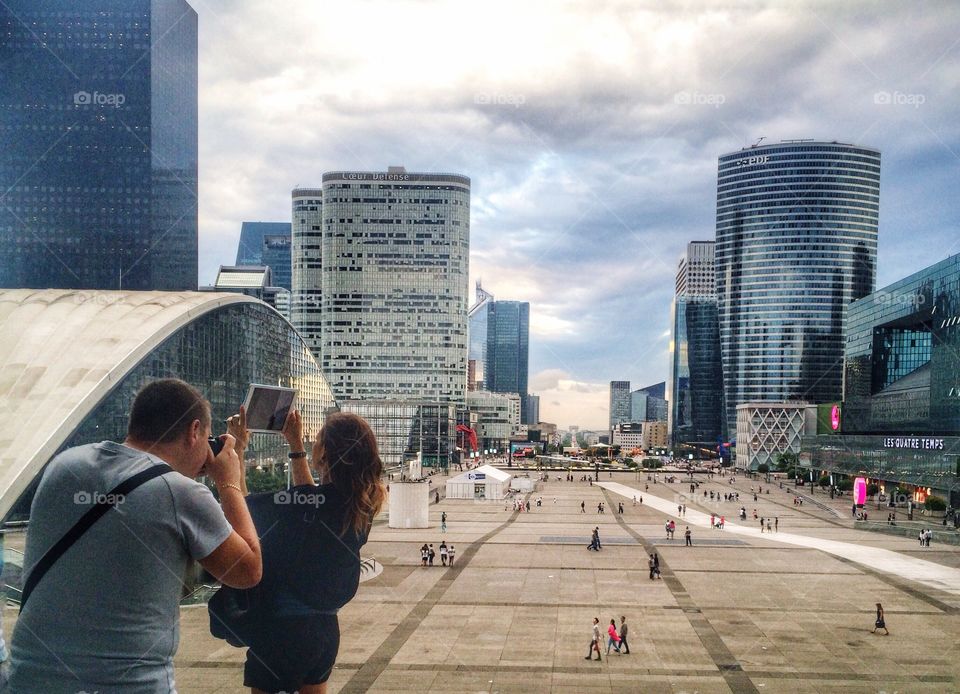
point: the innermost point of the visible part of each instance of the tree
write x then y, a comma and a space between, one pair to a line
763, 468
935, 503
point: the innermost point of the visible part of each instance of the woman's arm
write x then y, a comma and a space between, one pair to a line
237, 428
293, 433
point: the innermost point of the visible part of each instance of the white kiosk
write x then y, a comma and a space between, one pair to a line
480, 483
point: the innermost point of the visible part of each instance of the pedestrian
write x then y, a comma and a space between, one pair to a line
613, 638
594, 640
600, 507
443, 552
687, 536
673, 529
684, 514
430, 555
641, 499
438, 497
881, 622
769, 529
776, 524
528, 505
115, 597
620, 507
666, 527
583, 508
656, 565
711, 520
451, 553
679, 509
634, 499
443, 522
650, 564
623, 635
424, 554
723, 520
761, 524
596, 537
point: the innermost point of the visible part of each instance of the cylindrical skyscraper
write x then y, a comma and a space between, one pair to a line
796, 242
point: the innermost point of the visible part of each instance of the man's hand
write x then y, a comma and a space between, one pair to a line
225, 468
293, 431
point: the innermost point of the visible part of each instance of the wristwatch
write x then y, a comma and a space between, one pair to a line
296, 454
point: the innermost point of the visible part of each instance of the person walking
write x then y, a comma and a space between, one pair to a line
596, 537
430, 555
880, 623
613, 638
652, 567
761, 524
594, 640
424, 554
583, 507
687, 535
769, 528
776, 524
451, 553
443, 522
656, 565
443, 552
623, 635
666, 527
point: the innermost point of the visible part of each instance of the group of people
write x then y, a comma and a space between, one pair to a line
595, 540
925, 537
292, 558
616, 639
774, 527
447, 554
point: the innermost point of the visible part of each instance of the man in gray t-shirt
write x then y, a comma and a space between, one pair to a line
105, 616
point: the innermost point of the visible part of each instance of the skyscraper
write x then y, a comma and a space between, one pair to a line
98, 168
253, 236
380, 264
695, 388
477, 328
508, 347
796, 242
619, 402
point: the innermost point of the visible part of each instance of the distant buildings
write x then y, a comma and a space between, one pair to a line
267, 243
648, 404
98, 168
477, 319
380, 262
695, 388
796, 242
767, 429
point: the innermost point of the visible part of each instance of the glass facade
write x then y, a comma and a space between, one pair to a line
508, 348
221, 353
477, 350
796, 242
619, 402
696, 403
391, 279
99, 157
405, 428
252, 238
276, 256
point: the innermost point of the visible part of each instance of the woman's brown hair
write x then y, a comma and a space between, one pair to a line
347, 453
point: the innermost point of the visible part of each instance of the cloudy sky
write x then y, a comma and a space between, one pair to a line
591, 132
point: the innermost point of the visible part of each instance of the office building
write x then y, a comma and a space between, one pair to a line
276, 256
899, 421
508, 347
253, 236
256, 281
796, 242
477, 328
409, 429
531, 412
619, 402
384, 255
497, 419
767, 429
696, 418
645, 406
98, 168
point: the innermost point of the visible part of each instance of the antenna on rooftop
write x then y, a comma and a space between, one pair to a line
759, 141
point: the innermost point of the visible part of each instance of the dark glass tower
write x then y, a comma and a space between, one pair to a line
508, 349
98, 168
253, 236
796, 242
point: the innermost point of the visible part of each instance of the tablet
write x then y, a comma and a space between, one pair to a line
268, 406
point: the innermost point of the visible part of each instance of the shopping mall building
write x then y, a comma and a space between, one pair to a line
899, 422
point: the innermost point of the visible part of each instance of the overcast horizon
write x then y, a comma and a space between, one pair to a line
590, 132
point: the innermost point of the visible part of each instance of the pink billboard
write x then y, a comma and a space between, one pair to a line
859, 491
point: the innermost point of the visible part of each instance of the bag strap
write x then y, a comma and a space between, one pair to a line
86, 521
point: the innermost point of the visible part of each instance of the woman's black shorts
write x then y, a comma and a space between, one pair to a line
289, 652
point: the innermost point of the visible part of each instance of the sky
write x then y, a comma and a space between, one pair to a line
590, 131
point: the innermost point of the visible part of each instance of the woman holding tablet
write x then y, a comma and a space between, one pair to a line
311, 537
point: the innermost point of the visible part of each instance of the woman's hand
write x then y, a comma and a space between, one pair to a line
293, 431
237, 428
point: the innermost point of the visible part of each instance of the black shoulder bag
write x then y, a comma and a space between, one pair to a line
86, 521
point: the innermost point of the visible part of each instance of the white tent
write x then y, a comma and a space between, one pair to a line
484, 482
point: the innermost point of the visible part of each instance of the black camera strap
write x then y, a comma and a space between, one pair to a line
86, 521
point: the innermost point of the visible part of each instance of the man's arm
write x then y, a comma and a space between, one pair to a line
237, 561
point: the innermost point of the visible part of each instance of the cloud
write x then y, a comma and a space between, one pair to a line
590, 131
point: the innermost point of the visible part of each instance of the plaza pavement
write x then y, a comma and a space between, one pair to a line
738, 611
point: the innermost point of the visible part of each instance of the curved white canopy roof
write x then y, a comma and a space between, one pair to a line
61, 351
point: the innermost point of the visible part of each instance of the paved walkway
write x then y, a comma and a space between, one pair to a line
928, 573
